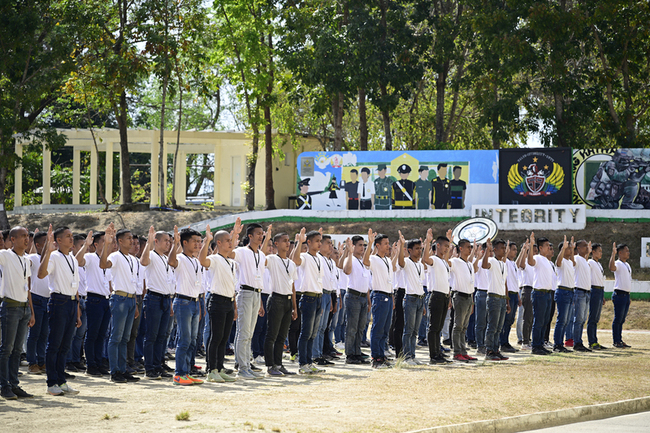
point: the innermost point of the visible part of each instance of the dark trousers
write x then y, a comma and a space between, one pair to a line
98, 316
353, 204
547, 329
328, 346
513, 299
62, 315
15, 322
621, 301
595, 308
397, 323
438, 304
259, 335
278, 321
365, 204
222, 313
130, 346
294, 330
527, 303
37, 337
157, 311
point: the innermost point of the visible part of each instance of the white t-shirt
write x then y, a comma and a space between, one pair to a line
283, 274
329, 277
461, 276
583, 273
567, 274
382, 272
189, 277
16, 272
623, 276
359, 278
251, 267
481, 278
96, 278
597, 274
439, 276
139, 287
513, 276
544, 273
124, 272
63, 273
83, 282
365, 190
414, 277
343, 281
497, 275
313, 275
224, 275
528, 276
40, 287
158, 274
299, 277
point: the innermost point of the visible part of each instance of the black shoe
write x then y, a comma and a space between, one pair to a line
135, 367
93, 371
68, 375
508, 348
255, 368
20, 392
548, 352
353, 360
71, 367
7, 393
323, 361
104, 371
167, 368
79, 366
472, 344
446, 342
581, 348
165, 375
539, 351
228, 371
118, 378
129, 377
106, 364
364, 356
621, 345
152, 375
561, 349
422, 343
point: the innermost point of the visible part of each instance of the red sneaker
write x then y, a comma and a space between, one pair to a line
198, 367
568, 343
460, 358
470, 358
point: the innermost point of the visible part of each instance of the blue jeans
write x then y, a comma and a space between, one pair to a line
413, 313
326, 303
621, 302
356, 308
480, 317
187, 327
581, 305
157, 311
260, 331
310, 314
199, 332
122, 314
339, 331
568, 329
595, 307
62, 320
98, 315
496, 314
513, 300
563, 301
37, 337
382, 312
424, 323
15, 322
541, 310
78, 337
206, 328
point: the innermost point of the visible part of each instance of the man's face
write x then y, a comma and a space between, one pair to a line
442, 172
135, 247
442, 248
257, 236
126, 242
77, 246
500, 251
192, 245
364, 176
326, 247
545, 249
304, 189
21, 239
224, 245
358, 247
416, 252
383, 247
465, 250
424, 174
457, 173
513, 252
382, 173
164, 243
353, 177
314, 243
99, 245
283, 245
624, 254
597, 253
582, 248
403, 176
65, 240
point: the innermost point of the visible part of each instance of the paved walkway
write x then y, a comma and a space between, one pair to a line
635, 423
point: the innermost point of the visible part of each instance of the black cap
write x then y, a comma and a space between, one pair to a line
404, 168
304, 182
422, 168
381, 167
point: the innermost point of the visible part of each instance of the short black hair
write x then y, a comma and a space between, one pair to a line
5, 234
457, 167
312, 234
58, 232
38, 236
357, 238
354, 170
580, 242
442, 165
462, 242
97, 236
251, 227
541, 241
187, 233
365, 170
278, 236
619, 247
512, 244
79, 237
325, 237
596, 245
412, 243
498, 242
121, 233
441, 239
380, 237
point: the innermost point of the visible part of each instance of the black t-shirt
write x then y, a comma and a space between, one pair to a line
352, 189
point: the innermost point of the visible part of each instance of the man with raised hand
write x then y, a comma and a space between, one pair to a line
382, 269
80, 246
251, 262
414, 280
357, 298
312, 292
157, 304
513, 297
497, 299
439, 301
462, 270
622, 286
186, 304
281, 306
543, 285
131, 365
481, 282
16, 312
597, 300
122, 302
40, 294
565, 263
527, 277
63, 307
221, 308
329, 286
581, 294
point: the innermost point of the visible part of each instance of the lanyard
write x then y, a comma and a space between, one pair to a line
317, 262
129, 262
417, 268
256, 256
469, 267
196, 268
23, 265
100, 258
163, 260
68, 263
286, 267
232, 266
383, 259
326, 262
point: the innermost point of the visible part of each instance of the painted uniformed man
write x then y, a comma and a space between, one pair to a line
383, 186
404, 189
351, 195
423, 188
441, 188
303, 202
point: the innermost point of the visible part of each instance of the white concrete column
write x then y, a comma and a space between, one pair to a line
165, 159
76, 168
18, 178
93, 176
179, 178
120, 182
217, 171
108, 190
47, 167
154, 171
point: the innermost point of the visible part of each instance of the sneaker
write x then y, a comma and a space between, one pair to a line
118, 378
164, 375
167, 368
228, 371
339, 346
70, 367
195, 380
104, 371
93, 371
129, 377
422, 343
34, 369
54, 390
259, 360
443, 360
548, 345
503, 358
68, 375
365, 344
285, 371
293, 358
21, 392
254, 368
323, 361
79, 366
445, 349
539, 351
215, 377
183, 380
460, 358
353, 360
7, 393
152, 375
481, 350
226, 377
569, 343
274, 371
561, 349
492, 356
470, 358
68, 389
472, 344
508, 348
380, 365
196, 372
621, 345
256, 374
305, 370
597, 346
411, 362
245, 374
316, 370
526, 347
579, 347
43, 368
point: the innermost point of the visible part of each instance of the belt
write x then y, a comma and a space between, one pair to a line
569, 289
62, 296
187, 298
11, 303
494, 295
481, 290
82, 297
542, 290
527, 287
353, 198
96, 295
598, 287
249, 288
279, 296
621, 292
312, 294
138, 297
582, 290
463, 295
201, 295
160, 295
416, 296
356, 293
123, 293
221, 297
327, 292
383, 196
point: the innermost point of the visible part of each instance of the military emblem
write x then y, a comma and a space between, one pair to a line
535, 177
477, 230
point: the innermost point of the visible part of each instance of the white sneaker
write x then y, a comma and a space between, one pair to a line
245, 374
411, 361
215, 377
226, 377
54, 390
259, 360
256, 375
340, 346
389, 352
526, 347
316, 370
67, 389
549, 345
305, 369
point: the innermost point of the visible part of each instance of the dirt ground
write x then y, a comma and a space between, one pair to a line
345, 398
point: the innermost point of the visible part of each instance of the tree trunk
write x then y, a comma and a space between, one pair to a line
268, 133
251, 163
4, 221
162, 156
178, 141
125, 164
630, 122
441, 84
337, 114
363, 120
559, 120
496, 142
385, 114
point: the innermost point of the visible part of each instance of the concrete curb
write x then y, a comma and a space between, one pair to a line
546, 419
